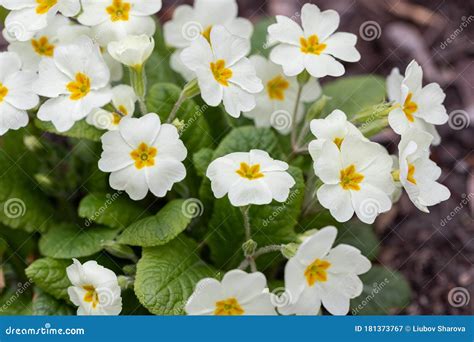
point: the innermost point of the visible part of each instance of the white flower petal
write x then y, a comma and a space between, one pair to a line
337, 200
243, 286
317, 245
285, 31
145, 129
162, 176
11, 118
289, 57
131, 181
342, 46
208, 291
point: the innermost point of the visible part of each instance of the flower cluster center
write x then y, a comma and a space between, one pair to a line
42, 46
45, 5
221, 73
119, 10
228, 307
410, 107
350, 178
3, 92
317, 271
80, 87
312, 45
276, 88
91, 295
250, 172
144, 156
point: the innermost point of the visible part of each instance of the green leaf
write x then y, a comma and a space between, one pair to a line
166, 276
3, 14
354, 233
259, 37
46, 305
66, 241
81, 130
157, 230
16, 301
22, 203
111, 210
354, 93
385, 292
50, 275
270, 224
196, 133
201, 160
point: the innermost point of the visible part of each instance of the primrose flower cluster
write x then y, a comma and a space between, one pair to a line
65, 63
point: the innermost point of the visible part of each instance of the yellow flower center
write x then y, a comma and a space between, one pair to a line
45, 5
276, 88
312, 45
42, 47
3, 92
250, 172
409, 108
91, 295
317, 271
220, 72
207, 33
350, 179
119, 10
144, 156
228, 307
411, 173
338, 142
117, 117
80, 87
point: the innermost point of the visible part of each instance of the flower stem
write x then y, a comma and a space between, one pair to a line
176, 107
245, 214
294, 117
139, 83
250, 260
190, 90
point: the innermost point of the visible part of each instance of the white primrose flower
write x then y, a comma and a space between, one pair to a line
224, 73
94, 289
417, 106
76, 81
418, 174
321, 274
250, 178
41, 45
72, 32
16, 95
143, 155
27, 17
333, 128
314, 46
132, 51
190, 22
123, 101
357, 177
239, 293
112, 20
276, 103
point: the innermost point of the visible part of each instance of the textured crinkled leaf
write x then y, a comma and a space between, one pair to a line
166, 276
195, 134
112, 210
385, 292
22, 203
81, 130
157, 230
353, 93
46, 305
271, 224
201, 160
66, 241
50, 275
